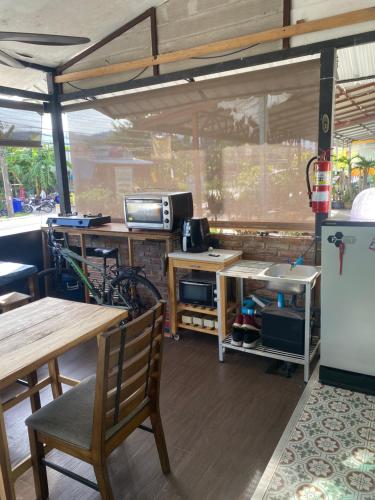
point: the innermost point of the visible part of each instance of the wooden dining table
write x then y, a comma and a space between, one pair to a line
35, 335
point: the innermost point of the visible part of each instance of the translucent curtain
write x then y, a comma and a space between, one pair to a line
239, 143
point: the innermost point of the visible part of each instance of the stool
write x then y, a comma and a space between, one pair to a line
12, 300
14, 271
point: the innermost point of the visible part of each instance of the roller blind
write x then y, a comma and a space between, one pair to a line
239, 143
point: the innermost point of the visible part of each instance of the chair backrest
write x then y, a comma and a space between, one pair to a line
128, 371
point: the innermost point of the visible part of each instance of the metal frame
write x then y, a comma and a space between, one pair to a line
287, 7
328, 63
268, 57
358, 79
59, 144
27, 106
149, 13
224, 343
70, 474
26, 94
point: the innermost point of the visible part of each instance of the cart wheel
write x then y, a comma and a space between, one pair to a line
176, 337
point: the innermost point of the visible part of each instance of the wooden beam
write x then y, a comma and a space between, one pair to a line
358, 16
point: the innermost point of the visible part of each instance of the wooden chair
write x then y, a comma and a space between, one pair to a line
13, 300
92, 419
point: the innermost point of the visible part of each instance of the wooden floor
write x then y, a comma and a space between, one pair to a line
222, 422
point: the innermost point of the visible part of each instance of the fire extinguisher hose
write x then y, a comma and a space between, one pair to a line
309, 191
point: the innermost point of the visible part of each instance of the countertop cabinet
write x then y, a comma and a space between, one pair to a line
214, 261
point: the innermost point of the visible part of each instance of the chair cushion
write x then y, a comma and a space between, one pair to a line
12, 271
69, 417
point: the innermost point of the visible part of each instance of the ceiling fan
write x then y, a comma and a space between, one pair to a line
35, 39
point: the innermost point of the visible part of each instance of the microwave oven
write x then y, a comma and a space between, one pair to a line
163, 211
198, 289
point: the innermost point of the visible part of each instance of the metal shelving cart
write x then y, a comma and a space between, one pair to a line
305, 277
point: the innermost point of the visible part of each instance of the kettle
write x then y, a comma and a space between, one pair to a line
195, 235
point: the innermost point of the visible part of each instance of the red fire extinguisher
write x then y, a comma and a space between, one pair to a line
320, 194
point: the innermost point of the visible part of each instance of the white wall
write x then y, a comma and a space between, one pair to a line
316, 9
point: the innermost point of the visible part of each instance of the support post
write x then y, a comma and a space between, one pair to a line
59, 144
328, 64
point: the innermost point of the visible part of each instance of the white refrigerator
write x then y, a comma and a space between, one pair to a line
348, 303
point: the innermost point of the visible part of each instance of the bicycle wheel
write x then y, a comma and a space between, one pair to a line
135, 293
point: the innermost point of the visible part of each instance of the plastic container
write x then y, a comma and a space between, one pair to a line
17, 205
209, 322
283, 329
187, 318
198, 320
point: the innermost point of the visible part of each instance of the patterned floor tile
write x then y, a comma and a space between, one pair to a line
330, 453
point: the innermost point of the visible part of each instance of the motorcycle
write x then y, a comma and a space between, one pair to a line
36, 205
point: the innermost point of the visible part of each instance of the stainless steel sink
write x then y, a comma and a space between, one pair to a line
289, 277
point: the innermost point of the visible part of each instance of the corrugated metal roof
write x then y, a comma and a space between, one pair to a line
355, 100
356, 62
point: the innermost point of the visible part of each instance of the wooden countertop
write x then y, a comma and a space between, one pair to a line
216, 255
118, 229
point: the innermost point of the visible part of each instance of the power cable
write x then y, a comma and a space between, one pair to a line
228, 54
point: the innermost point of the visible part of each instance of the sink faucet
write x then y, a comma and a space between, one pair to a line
298, 262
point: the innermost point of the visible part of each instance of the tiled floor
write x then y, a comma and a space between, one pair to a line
329, 454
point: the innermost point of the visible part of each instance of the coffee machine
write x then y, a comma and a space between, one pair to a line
195, 235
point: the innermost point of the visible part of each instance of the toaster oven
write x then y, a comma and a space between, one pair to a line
162, 211
198, 289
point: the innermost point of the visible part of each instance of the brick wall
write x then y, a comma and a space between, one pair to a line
275, 248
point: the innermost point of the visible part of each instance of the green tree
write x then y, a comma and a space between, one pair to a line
346, 164
34, 168
365, 166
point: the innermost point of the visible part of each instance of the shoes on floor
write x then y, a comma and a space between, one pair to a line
237, 336
238, 321
250, 339
237, 332
249, 323
245, 331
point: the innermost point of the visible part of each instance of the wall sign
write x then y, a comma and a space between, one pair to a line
325, 123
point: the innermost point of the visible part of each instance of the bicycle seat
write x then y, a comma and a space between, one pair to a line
127, 270
106, 252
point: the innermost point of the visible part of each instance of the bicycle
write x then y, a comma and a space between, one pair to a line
120, 286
